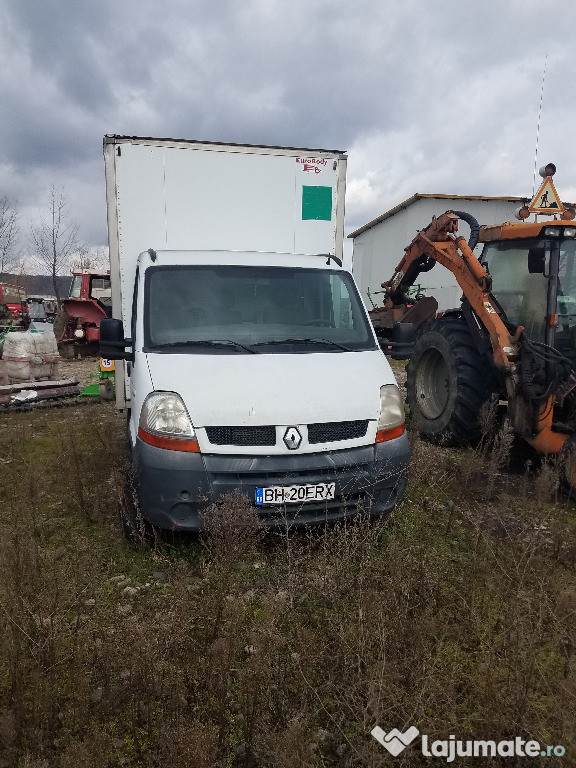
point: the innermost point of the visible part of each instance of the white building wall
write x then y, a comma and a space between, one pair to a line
379, 249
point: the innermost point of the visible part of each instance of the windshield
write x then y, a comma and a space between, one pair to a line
231, 310
523, 296
75, 287
36, 310
565, 333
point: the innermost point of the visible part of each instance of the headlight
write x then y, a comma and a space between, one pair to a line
164, 423
391, 419
552, 231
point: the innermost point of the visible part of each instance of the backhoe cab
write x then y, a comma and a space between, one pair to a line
512, 337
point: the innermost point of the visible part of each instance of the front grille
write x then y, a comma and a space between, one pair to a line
242, 435
326, 432
336, 430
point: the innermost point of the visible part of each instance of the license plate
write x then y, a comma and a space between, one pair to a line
295, 494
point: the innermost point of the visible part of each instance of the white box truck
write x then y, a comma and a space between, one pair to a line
249, 359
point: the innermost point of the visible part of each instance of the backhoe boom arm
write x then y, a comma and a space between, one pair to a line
438, 244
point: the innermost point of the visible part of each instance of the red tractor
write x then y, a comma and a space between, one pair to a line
77, 326
13, 307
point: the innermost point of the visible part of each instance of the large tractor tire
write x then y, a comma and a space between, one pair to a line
447, 384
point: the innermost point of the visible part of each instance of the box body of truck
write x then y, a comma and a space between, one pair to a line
250, 361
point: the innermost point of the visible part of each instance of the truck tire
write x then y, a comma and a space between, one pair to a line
447, 383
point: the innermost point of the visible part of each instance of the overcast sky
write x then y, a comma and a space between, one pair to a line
430, 97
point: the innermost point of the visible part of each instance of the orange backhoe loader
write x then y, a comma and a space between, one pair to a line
513, 336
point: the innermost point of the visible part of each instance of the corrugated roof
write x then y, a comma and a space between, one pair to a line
418, 195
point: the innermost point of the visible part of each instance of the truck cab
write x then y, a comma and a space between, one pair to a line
89, 301
260, 373
533, 270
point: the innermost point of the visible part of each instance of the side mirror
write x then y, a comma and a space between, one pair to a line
112, 342
536, 260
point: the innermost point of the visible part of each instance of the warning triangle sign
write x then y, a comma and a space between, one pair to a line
546, 200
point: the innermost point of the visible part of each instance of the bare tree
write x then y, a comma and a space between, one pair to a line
88, 257
100, 258
81, 258
9, 234
54, 238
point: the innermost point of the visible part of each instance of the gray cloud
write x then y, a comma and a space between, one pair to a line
426, 97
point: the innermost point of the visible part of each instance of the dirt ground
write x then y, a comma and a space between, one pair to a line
399, 368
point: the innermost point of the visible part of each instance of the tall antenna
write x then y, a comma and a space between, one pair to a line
538, 126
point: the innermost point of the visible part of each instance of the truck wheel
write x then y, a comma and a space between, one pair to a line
447, 383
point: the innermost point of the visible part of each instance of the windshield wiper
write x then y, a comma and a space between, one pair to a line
210, 343
326, 342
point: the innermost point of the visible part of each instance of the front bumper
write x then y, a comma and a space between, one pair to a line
175, 488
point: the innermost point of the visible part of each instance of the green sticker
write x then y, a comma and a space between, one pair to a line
317, 203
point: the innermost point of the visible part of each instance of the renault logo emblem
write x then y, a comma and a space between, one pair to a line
292, 438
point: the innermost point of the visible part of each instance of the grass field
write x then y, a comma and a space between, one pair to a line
456, 615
